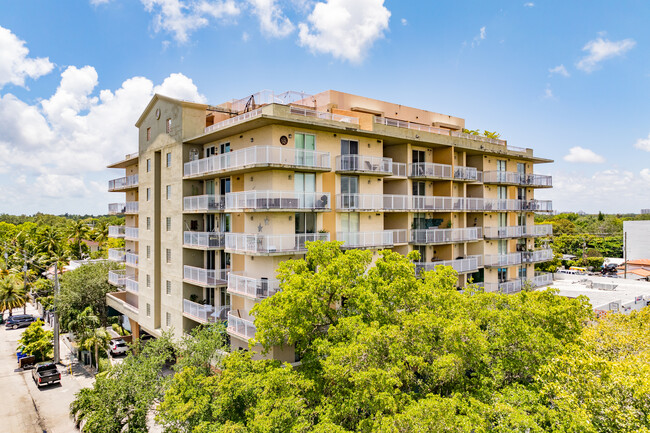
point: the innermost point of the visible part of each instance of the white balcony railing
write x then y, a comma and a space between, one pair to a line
132, 259
259, 156
514, 286
131, 232
438, 203
116, 255
131, 284
277, 200
205, 313
116, 208
123, 183
478, 138
409, 125
323, 115
538, 180
205, 277
383, 238
115, 231
539, 230
446, 236
132, 207
464, 265
542, 279
204, 203
430, 170
518, 231
364, 164
466, 173
242, 327
399, 169
371, 202
258, 288
502, 260
537, 256
117, 277
244, 243
207, 240
515, 178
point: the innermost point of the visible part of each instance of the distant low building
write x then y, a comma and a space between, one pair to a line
636, 269
645, 211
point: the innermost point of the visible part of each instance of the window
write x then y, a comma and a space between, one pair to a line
501, 170
305, 222
148, 310
148, 194
523, 272
350, 229
168, 319
169, 192
349, 147
350, 191
418, 167
148, 134
148, 280
168, 126
521, 193
148, 223
169, 159
168, 288
210, 151
168, 255
502, 192
148, 165
305, 185
304, 144
148, 251
503, 274
169, 223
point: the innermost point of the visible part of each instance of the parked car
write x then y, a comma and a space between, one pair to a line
19, 321
46, 373
118, 347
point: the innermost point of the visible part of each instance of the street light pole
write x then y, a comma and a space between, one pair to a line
57, 353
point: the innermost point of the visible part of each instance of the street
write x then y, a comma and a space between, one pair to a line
26, 408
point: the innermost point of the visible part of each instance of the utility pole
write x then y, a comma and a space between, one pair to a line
57, 353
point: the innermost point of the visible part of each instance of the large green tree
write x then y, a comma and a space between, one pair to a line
12, 294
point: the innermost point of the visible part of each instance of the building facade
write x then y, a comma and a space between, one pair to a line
218, 196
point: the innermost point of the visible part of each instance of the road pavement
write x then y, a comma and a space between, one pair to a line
26, 408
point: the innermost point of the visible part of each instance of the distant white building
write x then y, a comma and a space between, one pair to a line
637, 239
645, 211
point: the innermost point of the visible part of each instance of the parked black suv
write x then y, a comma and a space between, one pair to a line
19, 321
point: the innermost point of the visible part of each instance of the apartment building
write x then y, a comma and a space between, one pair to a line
218, 196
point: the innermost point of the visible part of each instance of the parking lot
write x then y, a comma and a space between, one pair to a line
27, 408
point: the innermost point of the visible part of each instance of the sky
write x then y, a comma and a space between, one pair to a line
570, 79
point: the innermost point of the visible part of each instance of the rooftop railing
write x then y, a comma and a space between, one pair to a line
244, 243
117, 277
131, 232
323, 115
204, 203
240, 326
116, 208
258, 288
480, 138
116, 255
205, 277
382, 238
123, 183
409, 125
430, 170
364, 164
278, 200
205, 313
463, 265
204, 240
259, 156
132, 207
132, 259
234, 120
115, 231
446, 236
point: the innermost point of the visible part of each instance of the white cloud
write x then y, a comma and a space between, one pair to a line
643, 144
601, 49
99, 2
15, 66
182, 17
478, 38
273, 22
404, 21
180, 87
245, 37
548, 93
529, 4
344, 29
560, 70
580, 154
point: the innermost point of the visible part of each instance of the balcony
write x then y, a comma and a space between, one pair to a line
123, 183
116, 255
537, 256
131, 284
118, 301
116, 208
204, 240
241, 325
462, 266
117, 277
542, 279
256, 288
372, 202
131, 233
115, 231
364, 164
399, 169
385, 238
204, 203
425, 202
513, 286
234, 120
515, 178
469, 174
507, 205
446, 236
259, 157
504, 232
409, 125
132, 259
205, 313
502, 260
428, 170
248, 201
205, 277
539, 230
257, 244
132, 207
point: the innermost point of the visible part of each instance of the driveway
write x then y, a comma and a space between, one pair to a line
26, 408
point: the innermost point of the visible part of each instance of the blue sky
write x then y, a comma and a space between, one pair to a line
569, 79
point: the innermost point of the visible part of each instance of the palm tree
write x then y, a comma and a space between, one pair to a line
77, 232
100, 233
51, 243
12, 294
96, 338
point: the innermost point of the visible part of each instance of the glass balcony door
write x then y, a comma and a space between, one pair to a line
305, 143
349, 147
350, 228
349, 192
305, 186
